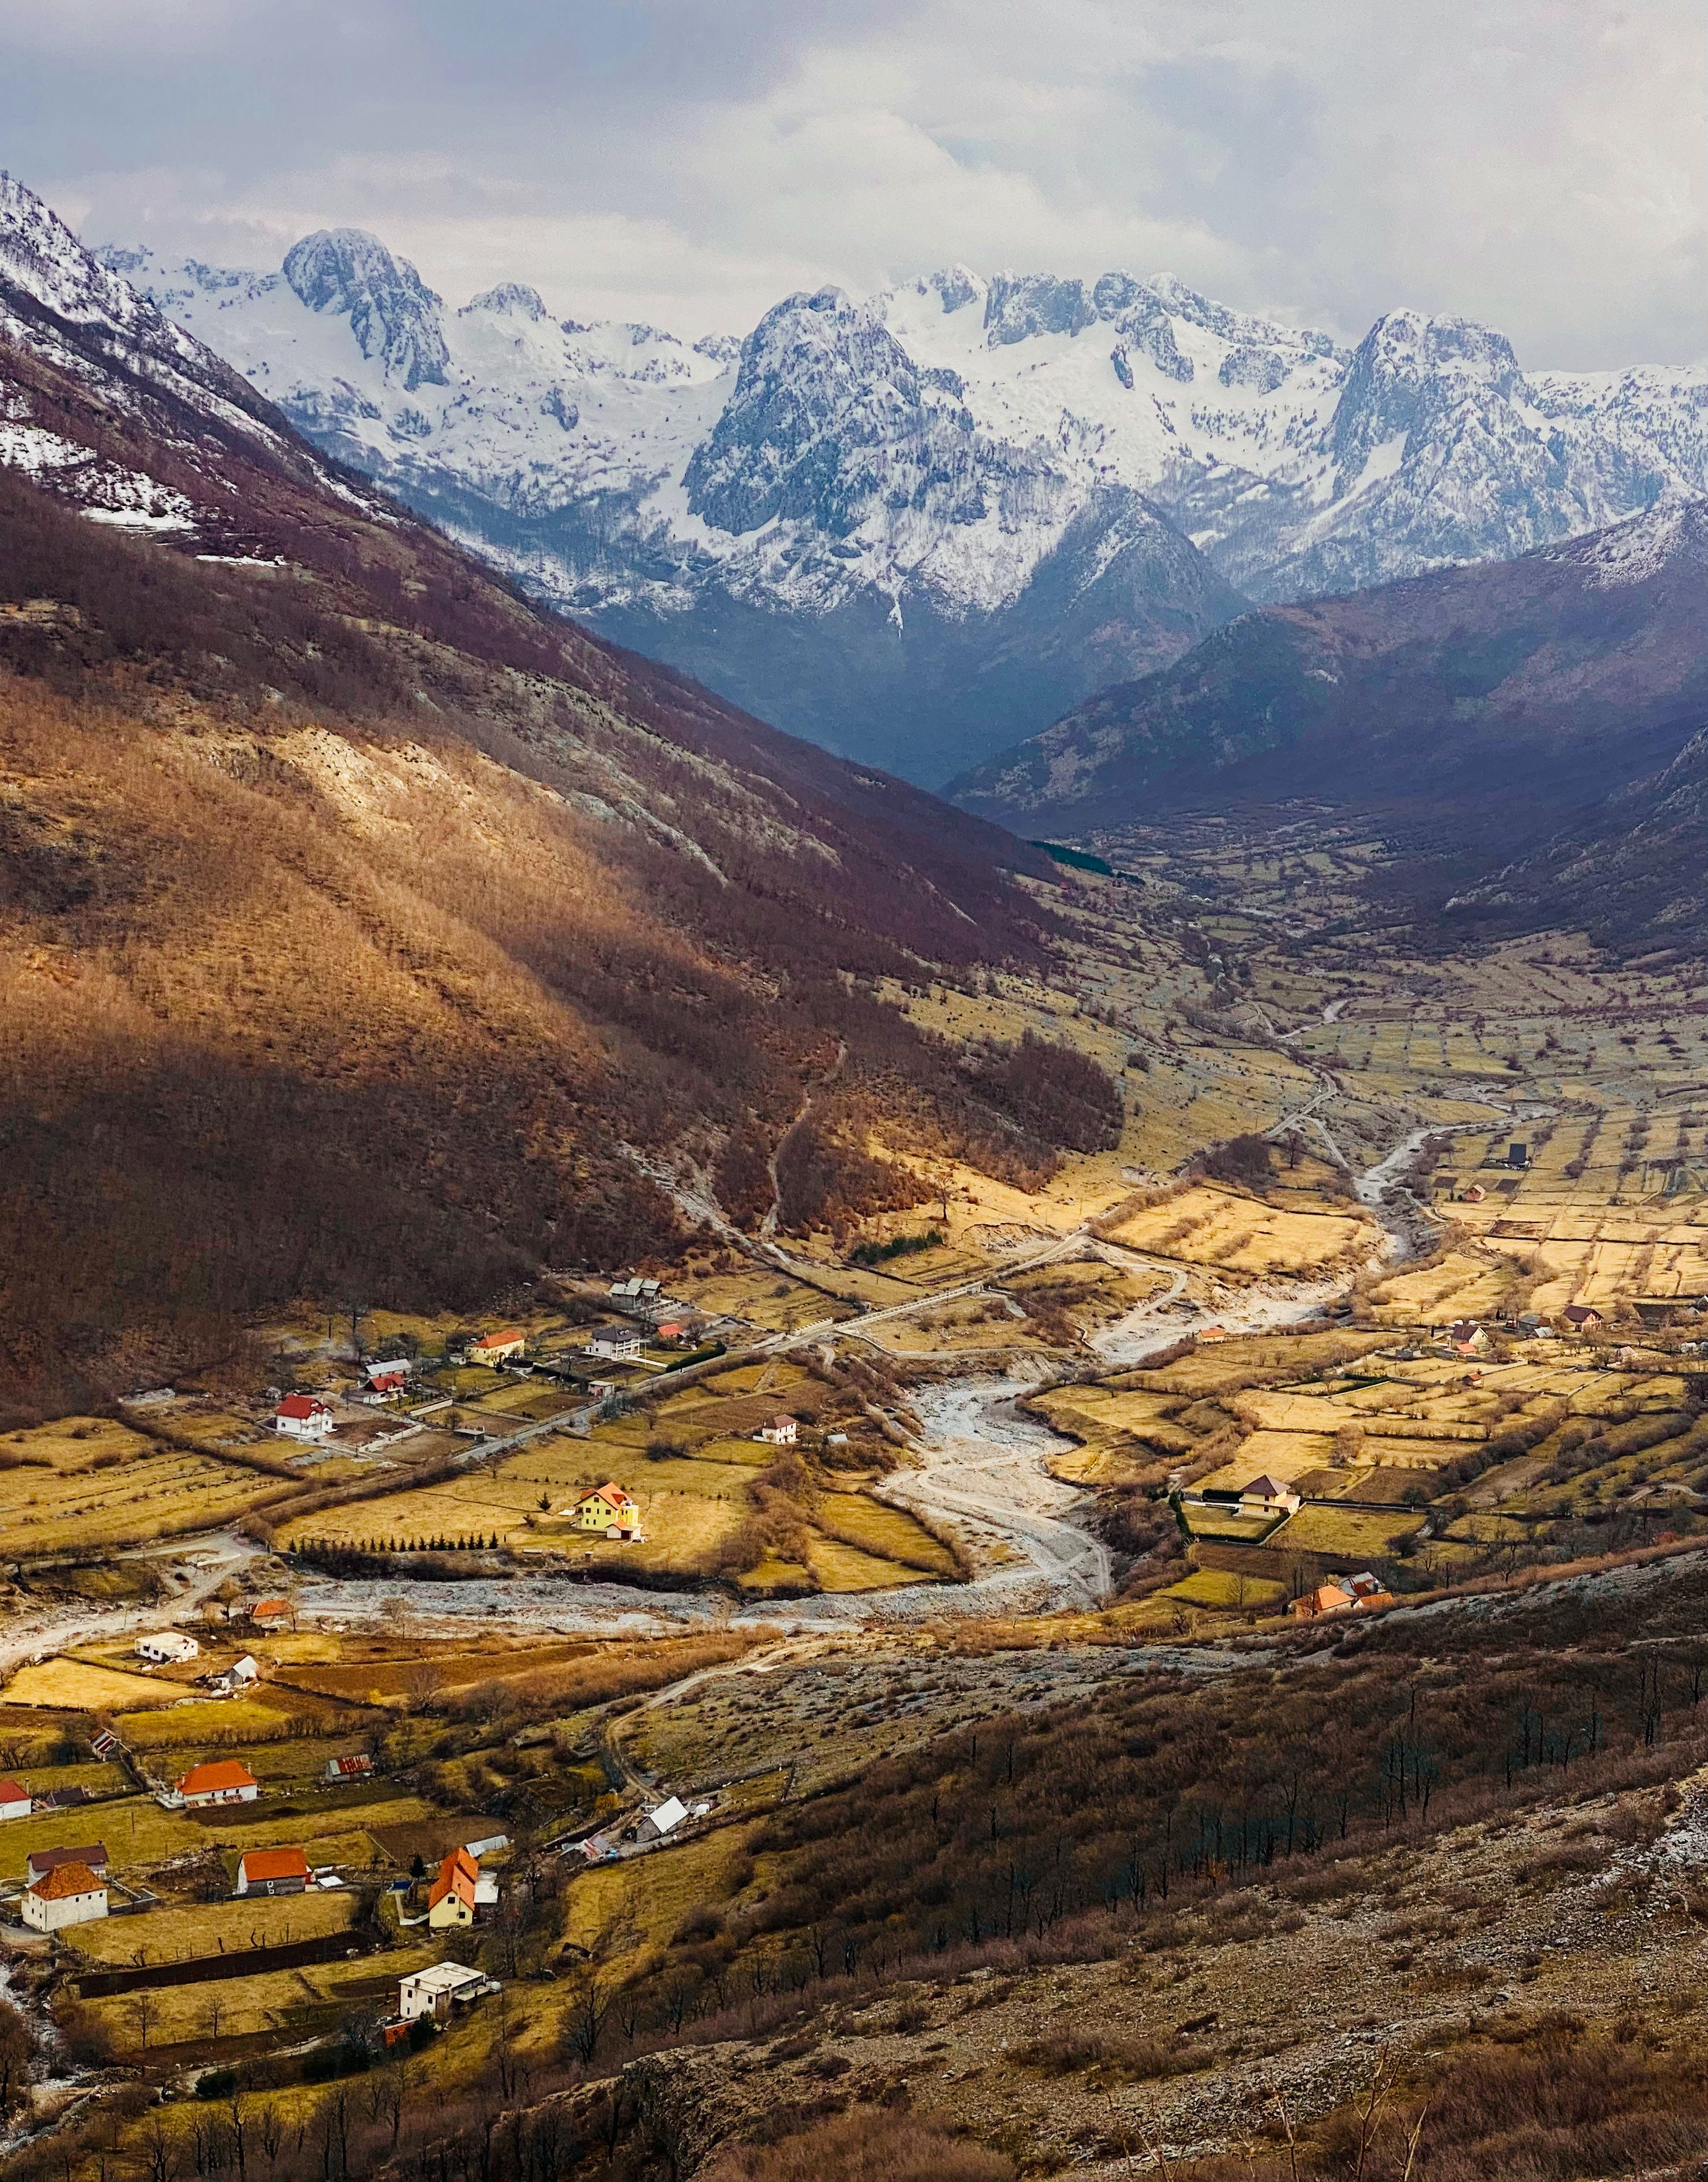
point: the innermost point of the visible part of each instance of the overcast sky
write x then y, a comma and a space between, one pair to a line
1536, 163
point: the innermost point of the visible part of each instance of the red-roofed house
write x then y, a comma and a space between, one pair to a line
272, 1871
15, 1801
358, 1766
303, 1416
450, 1898
271, 1612
222, 1781
778, 1431
69, 1894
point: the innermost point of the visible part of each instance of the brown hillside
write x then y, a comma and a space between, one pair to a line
342, 959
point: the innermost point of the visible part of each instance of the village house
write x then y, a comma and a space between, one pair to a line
617, 1344
450, 1899
271, 1613
1341, 1594
1579, 1317
41, 1861
167, 1647
358, 1766
498, 1348
386, 1383
69, 1894
303, 1416
609, 1508
272, 1871
1327, 1598
636, 1294
441, 1986
225, 1781
1266, 1495
778, 1431
15, 1801
1474, 1195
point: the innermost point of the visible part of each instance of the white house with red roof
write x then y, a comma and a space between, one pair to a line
303, 1416
15, 1801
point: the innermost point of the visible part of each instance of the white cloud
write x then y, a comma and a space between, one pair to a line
1532, 162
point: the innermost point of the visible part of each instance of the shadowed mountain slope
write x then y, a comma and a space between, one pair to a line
369, 934
1551, 680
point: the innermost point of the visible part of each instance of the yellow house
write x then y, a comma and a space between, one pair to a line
451, 1900
605, 1508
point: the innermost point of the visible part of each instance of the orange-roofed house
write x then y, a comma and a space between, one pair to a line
498, 1348
607, 1508
1327, 1598
223, 1781
272, 1871
69, 1894
15, 1801
450, 1898
271, 1612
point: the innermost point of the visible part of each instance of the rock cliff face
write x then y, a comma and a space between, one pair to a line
919, 526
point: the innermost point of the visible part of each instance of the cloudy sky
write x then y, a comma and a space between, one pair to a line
1536, 164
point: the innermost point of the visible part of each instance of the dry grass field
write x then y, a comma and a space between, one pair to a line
183, 1934
70, 1686
1206, 1226
299, 2002
689, 1467
85, 1482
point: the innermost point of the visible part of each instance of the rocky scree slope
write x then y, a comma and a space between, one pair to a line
1516, 689
917, 526
368, 932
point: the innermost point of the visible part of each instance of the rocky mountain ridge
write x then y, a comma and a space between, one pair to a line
1553, 680
919, 525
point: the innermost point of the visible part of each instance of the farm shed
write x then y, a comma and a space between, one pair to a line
357, 1767
167, 1647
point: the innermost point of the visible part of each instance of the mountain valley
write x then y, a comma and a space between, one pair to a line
712, 1473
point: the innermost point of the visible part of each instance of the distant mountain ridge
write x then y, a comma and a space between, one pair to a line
1560, 675
918, 526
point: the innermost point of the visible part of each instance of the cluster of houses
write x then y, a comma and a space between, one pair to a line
1340, 1594
16, 1801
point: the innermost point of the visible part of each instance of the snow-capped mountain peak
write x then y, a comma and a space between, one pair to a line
393, 314
948, 454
